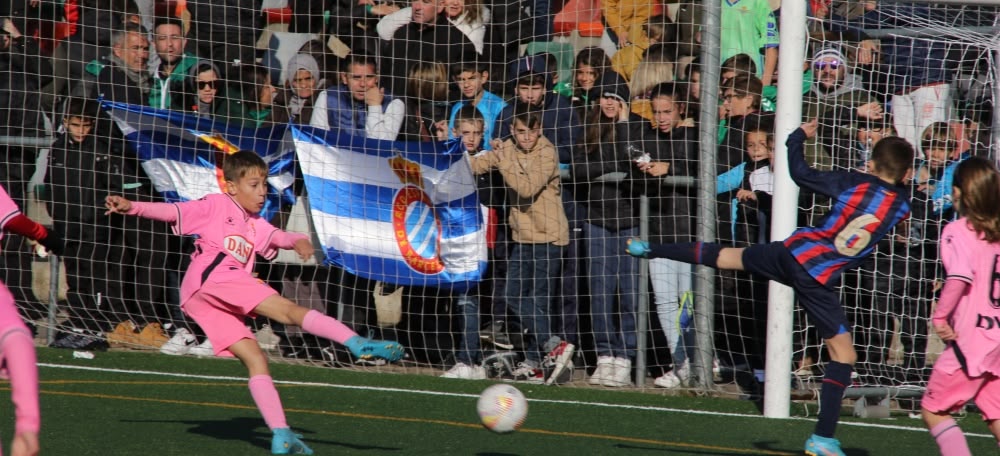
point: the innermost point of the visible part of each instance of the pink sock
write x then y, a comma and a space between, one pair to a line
18, 350
266, 396
326, 327
950, 439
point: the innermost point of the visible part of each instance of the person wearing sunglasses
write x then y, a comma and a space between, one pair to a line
203, 88
831, 74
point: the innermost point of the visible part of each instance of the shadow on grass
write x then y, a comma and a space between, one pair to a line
763, 446
247, 429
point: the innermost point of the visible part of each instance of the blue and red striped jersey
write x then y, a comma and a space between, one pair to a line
865, 209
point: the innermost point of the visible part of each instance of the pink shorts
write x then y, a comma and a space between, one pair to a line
222, 304
948, 391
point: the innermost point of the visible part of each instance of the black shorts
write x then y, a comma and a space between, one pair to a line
822, 302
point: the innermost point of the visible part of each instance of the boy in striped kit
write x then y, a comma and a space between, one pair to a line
811, 261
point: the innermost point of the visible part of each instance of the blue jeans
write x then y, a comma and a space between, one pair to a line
571, 292
611, 270
468, 346
671, 283
531, 280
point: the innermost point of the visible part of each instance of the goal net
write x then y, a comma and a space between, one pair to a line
571, 111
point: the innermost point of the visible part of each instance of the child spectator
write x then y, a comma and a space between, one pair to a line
935, 172
219, 292
530, 168
656, 29
747, 189
968, 367
751, 183
612, 217
673, 149
81, 171
17, 349
560, 124
741, 96
866, 209
469, 127
588, 69
471, 78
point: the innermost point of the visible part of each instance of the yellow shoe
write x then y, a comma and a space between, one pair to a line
125, 335
153, 336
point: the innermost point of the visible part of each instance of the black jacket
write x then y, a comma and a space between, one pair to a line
416, 43
610, 203
79, 177
673, 209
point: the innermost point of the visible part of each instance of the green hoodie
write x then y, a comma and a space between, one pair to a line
160, 95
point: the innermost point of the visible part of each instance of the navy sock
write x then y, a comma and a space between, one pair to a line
688, 252
831, 394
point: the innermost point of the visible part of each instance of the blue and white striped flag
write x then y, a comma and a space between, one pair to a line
181, 152
403, 213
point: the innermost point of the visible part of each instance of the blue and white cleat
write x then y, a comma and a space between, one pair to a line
367, 349
823, 446
285, 441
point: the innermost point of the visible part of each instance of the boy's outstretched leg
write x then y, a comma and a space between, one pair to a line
706, 253
287, 312
327, 327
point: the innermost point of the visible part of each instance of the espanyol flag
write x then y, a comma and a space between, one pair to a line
400, 212
181, 152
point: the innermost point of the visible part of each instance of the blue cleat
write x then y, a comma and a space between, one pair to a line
637, 247
285, 441
823, 446
365, 348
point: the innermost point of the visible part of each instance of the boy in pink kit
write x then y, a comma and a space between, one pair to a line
218, 290
967, 317
17, 346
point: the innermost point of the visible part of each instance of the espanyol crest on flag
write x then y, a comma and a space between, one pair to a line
398, 212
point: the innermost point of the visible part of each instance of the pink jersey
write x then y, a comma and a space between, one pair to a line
8, 209
228, 236
976, 317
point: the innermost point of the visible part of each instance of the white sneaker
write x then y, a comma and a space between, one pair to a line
180, 344
604, 370
266, 338
202, 349
466, 372
675, 378
621, 373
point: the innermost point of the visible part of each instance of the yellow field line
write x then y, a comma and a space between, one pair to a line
616, 438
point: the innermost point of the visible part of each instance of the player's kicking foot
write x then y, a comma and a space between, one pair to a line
368, 349
285, 441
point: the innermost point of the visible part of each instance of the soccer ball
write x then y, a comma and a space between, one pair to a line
502, 408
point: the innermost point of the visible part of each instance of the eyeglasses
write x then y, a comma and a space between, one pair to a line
206, 85
831, 64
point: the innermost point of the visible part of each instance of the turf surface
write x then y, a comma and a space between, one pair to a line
124, 403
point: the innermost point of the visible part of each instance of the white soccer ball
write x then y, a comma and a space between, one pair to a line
502, 408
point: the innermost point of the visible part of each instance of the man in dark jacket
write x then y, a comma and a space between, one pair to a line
126, 78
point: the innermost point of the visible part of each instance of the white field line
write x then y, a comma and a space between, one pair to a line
466, 395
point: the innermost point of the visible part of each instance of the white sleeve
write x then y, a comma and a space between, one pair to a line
319, 115
387, 26
385, 125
